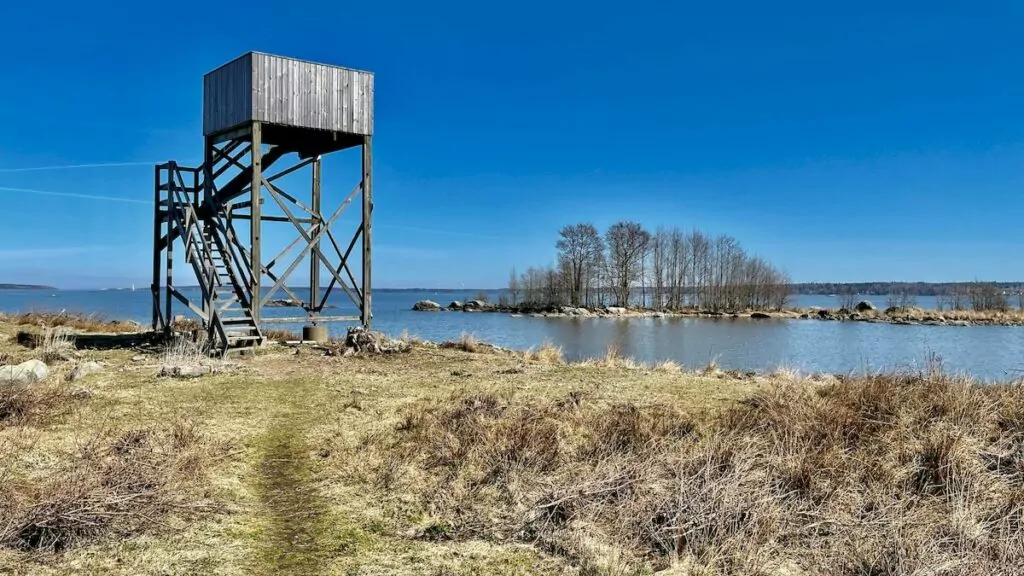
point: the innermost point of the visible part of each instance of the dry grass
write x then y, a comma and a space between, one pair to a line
888, 474
57, 344
122, 483
467, 343
281, 335
82, 322
183, 351
34, 405
668, 366
438, 461
546, 353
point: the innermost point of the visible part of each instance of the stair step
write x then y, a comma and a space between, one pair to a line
235, 321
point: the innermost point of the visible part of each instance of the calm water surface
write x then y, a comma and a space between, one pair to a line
988, 352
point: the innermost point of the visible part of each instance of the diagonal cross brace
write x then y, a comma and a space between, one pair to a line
274, 193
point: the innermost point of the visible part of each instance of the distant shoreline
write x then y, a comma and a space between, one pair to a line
902, 316
25, 287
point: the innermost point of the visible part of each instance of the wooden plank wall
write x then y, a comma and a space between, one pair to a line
227, 95
288, 92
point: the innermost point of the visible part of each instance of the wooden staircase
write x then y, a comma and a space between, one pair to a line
232, 307
226, 310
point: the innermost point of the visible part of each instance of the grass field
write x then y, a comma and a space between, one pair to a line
461, 459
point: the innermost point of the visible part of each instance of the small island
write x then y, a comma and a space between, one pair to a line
25, 287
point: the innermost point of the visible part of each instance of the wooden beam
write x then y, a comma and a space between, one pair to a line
169, 253
302, 231
344, 258
275, 218
172, 291
157, 224
245, 179
314, 259
319, 319
290, 198
288, 171
256, 173
230, 161
243, 254
309, 241
367, 231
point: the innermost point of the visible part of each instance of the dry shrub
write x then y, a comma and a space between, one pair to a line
612, 358
546, 353
50, 344
466, 342
117, 484
33, 404
83, 322
281, 335
408, 339
183, 351
668, 366
883, 474
186, 325
57, 344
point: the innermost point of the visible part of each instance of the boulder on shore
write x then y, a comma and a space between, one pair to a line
186, 371
84, 370
455, 305
475, 305
864, 306
617, 310
760, 315
25, 373
426, 306
284, 302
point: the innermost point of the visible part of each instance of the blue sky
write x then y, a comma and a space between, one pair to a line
868, 142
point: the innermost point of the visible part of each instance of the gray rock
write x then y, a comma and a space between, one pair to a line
185, 371
24, 373
476, 305
426, 306
455, 305
617, 310
760, 315
864, 306
284, 302
84, 370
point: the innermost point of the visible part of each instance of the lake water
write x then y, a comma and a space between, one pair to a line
988, 352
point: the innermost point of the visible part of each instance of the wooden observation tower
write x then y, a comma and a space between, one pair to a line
265, 118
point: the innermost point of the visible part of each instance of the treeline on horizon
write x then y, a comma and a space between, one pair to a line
887, 288
664, 269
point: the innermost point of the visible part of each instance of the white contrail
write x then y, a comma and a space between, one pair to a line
73, 166
76, 195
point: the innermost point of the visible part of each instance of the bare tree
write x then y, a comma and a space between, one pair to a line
513, 286
847, 298
988, 297
901, 299
683, 270
627, 243
661, 267
579, 248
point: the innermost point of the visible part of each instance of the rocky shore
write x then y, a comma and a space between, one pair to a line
863, 312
